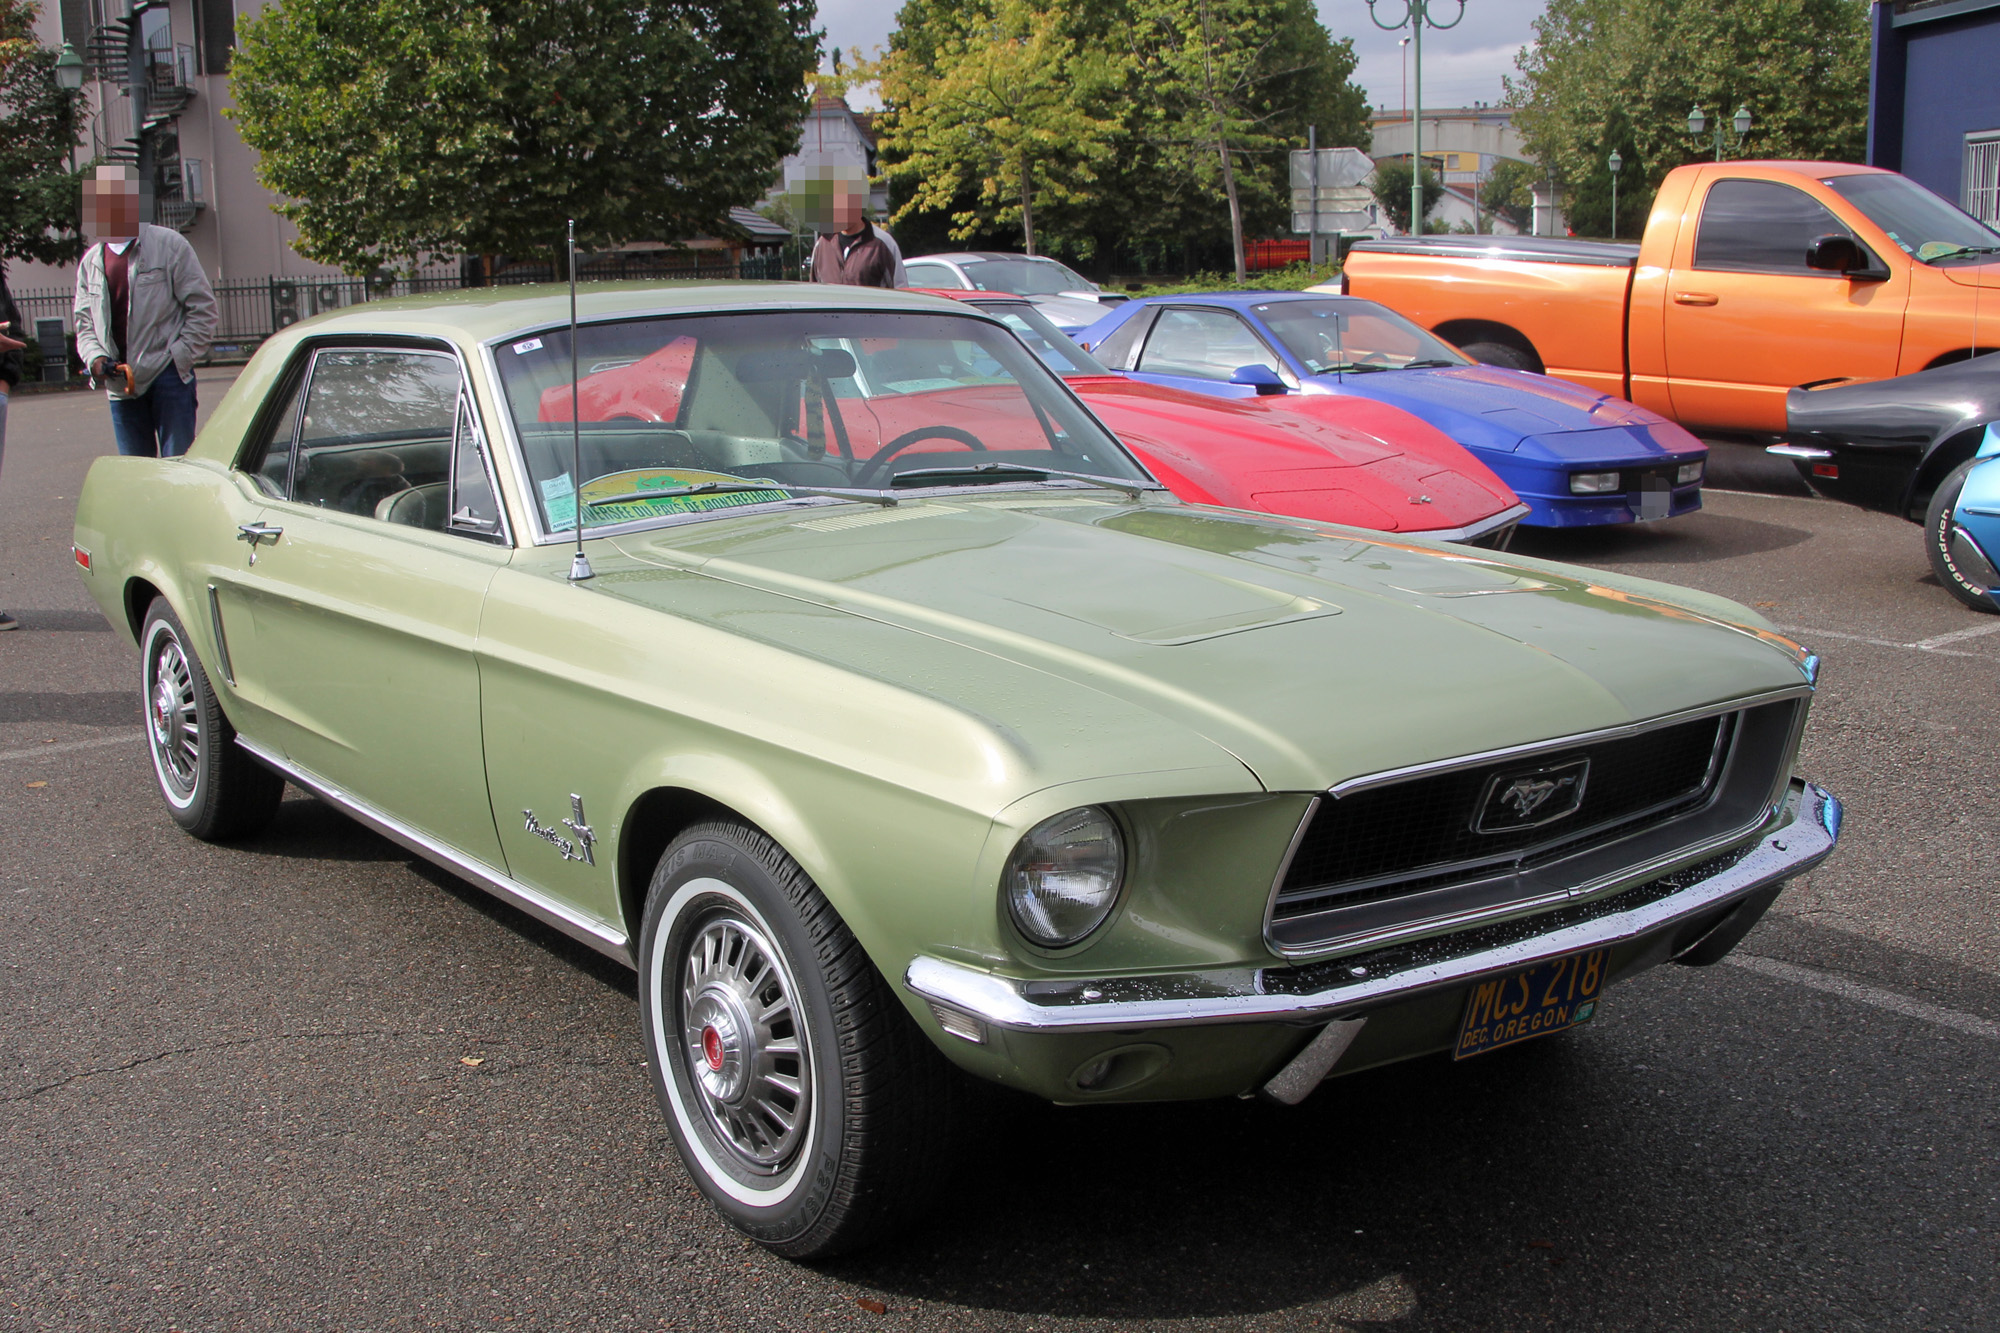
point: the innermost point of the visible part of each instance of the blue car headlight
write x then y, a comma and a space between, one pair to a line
1593, 483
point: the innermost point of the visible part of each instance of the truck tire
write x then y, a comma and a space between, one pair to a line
1938, 541
1502, 355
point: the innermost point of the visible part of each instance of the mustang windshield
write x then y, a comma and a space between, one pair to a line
817, 400
1928, 229
1353, 336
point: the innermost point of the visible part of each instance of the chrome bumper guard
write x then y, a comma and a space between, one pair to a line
1351, 986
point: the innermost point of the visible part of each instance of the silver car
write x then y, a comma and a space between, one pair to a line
1070, 300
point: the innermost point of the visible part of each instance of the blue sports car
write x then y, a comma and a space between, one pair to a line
1575, 456
1966, 515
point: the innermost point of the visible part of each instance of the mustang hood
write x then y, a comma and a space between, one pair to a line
1310, 653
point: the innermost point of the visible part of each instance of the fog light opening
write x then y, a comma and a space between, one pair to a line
1121, 1069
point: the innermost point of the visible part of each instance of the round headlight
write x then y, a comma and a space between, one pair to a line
1063, 877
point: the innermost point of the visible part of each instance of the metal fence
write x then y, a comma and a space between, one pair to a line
249, 312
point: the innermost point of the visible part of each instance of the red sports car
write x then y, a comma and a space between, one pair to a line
1337, 460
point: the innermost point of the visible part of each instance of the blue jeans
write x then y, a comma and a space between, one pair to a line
159, 423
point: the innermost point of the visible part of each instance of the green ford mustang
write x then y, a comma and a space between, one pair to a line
816, 652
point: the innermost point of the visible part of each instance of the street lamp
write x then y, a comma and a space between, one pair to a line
1416, 13
69, 69
1614, 163
1698, 122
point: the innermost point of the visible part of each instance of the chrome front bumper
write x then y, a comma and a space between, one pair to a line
1352, 986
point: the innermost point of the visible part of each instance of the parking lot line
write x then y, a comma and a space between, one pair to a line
122, 738
1958, 634
1862, 993
1921, 645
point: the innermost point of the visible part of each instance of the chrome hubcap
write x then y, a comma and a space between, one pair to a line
175, 732
741, 1036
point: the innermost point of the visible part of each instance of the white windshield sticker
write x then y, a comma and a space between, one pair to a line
532, 345
559, 502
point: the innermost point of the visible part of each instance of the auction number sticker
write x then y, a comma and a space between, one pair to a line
1545, 998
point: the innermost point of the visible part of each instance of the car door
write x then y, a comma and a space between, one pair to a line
1200, 347
364, 587
1746, 320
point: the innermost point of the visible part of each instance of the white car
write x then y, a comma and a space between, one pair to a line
1070, 300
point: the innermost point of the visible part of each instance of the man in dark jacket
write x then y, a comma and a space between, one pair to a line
854, 255
11, 366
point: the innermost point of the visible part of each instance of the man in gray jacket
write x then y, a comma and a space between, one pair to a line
144, 314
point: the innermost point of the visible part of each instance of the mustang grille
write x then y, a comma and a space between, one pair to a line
1403, 837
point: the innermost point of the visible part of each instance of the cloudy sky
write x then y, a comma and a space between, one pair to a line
1461, 66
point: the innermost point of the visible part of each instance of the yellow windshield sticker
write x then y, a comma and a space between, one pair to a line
639, 481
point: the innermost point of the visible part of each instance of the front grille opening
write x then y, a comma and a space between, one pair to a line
1384, 842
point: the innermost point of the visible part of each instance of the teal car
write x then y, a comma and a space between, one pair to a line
975, 755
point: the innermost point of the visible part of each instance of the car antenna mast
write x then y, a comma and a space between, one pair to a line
579, 565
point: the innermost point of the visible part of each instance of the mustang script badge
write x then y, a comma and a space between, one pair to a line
1530, 799
586, 837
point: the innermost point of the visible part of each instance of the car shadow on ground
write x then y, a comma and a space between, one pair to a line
1693, 539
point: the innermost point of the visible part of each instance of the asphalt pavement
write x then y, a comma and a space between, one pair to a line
310, 1083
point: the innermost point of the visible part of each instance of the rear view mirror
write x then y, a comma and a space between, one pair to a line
1838, 253
1261, 378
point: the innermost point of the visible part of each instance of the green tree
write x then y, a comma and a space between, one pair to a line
1508, 192
1623, 74
998, 119
39, 195
1163, 185
401, 129
1392, 191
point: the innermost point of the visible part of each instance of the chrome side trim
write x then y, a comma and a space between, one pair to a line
611, 943
1797, 451
221, 639
1474, 531
1242, 995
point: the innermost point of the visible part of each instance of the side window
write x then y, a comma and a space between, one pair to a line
474, 508
1760, 227
269, 460
1118, 351
378, 424
1202, 344
931, 275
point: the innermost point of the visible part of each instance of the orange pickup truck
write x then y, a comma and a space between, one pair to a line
1752, 278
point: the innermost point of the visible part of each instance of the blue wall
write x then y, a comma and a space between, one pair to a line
1935, 78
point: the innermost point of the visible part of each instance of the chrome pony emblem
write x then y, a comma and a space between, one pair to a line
1529, 800
586, 837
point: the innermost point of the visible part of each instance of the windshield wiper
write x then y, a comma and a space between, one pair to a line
1352, 368
727, 487
1429, 363
1001, 471
1957, 250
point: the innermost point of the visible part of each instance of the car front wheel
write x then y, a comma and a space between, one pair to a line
1940, 545
805, 1102
213, 789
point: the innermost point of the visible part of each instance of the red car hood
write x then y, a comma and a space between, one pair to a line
1337, 460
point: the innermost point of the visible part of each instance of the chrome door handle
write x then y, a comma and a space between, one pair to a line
1695, 298
258, 533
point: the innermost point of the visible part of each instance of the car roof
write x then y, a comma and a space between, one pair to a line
483, 314
1240, 298
960, 294
986, 254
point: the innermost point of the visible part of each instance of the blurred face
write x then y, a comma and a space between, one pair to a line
847, 208
110, 208
828, 196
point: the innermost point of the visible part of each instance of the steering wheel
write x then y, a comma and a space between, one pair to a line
910, 437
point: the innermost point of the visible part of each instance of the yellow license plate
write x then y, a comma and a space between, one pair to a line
1545, 998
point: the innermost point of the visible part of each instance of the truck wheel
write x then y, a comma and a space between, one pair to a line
806, 1103
1938, 542
214, 790
1501, 354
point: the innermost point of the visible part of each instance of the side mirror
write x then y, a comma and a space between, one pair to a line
1261, 378
1837, 253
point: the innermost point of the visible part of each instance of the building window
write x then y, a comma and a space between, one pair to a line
1980, 195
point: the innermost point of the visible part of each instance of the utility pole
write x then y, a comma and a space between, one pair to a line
1416, 15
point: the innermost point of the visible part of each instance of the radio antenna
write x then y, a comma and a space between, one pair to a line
579, 565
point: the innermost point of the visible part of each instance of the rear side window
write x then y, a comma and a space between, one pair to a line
1202, 344
1761, 227
269, 460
